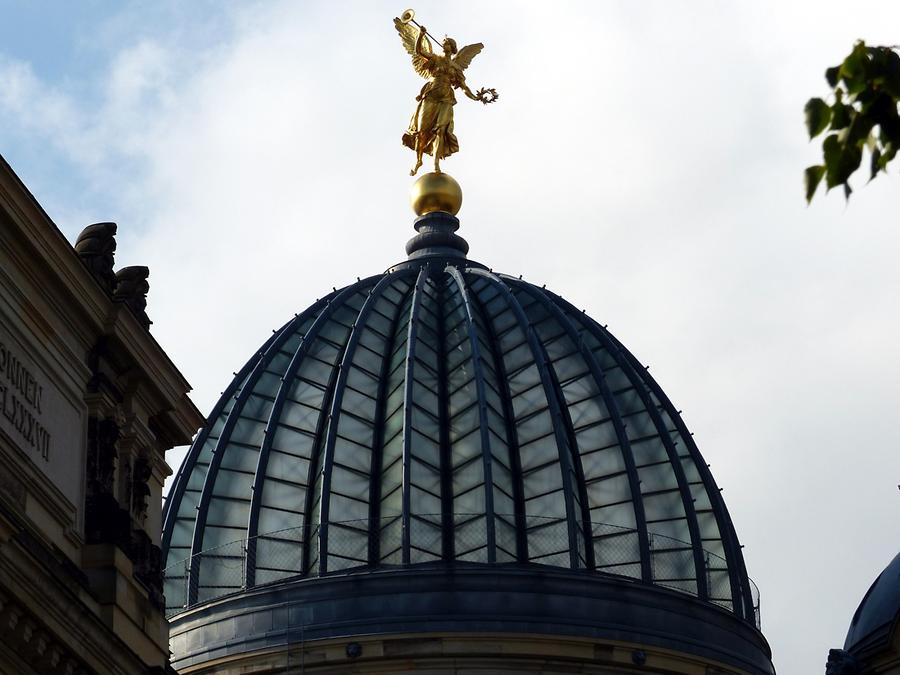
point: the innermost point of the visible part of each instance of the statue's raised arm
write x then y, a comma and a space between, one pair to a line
419, 50
431, 127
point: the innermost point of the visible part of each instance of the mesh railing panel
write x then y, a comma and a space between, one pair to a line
224, 569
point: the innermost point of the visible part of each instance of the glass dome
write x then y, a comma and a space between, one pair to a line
441, 413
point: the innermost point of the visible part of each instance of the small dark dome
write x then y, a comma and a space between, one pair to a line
879, 611
442, 418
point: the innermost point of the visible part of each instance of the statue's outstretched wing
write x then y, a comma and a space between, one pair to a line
465, 55
409, 35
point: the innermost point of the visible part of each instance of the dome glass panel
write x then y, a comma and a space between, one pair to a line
442, 414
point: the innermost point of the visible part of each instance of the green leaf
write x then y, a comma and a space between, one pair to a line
850, 159
871, 141
841, 160
811, 179
831, 149
876, 163
840, 115
865, 113
859, 129
818, 114
887, 118
853, 69
892, 74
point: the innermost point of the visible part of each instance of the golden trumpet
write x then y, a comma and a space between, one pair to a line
409, 16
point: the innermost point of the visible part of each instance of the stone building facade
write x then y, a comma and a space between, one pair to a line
89, 403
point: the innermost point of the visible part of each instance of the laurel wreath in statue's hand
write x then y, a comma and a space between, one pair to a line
486, 95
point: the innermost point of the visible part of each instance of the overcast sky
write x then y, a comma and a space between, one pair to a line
644, 161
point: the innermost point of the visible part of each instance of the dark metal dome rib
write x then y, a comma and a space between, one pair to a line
441, 413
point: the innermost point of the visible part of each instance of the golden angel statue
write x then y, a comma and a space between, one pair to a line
431, 127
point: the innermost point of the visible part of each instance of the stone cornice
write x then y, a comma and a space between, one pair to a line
49, 244
73, 293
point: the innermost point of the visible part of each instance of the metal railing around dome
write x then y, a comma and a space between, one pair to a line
240, 565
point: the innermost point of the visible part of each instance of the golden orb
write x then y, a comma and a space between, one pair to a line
435, 192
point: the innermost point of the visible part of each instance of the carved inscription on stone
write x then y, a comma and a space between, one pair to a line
21, 402
42, 421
